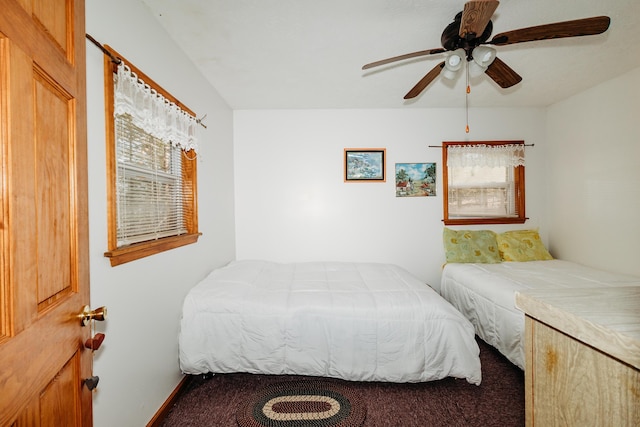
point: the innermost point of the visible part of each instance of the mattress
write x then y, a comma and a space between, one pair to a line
355, 321
485, 294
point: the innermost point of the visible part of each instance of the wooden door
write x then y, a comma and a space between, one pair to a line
44, 268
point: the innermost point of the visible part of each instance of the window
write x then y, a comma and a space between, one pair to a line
483, 182
151, 151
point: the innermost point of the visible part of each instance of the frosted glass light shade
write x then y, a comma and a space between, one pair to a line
483, 56
453, 63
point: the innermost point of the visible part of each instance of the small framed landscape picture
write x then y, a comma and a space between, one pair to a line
364, 164
415, 179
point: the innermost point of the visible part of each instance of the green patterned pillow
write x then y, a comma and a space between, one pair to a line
522, 245
471, 246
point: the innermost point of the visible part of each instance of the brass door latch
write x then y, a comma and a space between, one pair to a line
87, 315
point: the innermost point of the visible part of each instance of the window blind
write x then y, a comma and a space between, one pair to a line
149, 188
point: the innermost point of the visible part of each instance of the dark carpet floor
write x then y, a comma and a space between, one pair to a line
498, 401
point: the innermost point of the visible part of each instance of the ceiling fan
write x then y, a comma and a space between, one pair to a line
467, 38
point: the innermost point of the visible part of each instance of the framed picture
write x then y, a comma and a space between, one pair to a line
364, 164
415, 179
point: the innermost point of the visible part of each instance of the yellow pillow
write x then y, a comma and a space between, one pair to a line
522, 245
471, 246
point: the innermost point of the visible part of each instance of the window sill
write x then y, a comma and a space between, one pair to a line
140, 250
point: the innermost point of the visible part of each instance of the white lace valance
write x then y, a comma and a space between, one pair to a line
509, 155
152, 112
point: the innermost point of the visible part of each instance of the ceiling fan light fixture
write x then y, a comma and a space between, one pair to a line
476, 70
453, 63
483, 55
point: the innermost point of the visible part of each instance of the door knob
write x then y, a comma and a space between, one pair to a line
87, 315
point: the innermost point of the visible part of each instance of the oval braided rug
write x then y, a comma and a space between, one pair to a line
308, 403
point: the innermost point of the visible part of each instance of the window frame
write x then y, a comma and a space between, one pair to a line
519, 189
123, 254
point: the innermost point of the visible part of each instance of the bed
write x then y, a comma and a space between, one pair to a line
485, 294
355, 321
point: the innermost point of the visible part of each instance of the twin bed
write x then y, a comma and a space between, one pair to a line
371, 321
485, 294
484, 271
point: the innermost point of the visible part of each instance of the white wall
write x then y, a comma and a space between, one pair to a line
138, 362
292, 203
594, 176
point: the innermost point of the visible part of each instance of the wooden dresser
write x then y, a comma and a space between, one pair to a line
582, 351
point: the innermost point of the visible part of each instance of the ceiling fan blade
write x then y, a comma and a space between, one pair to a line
576, 28
401, 57
475, 17
424, 82
502, 74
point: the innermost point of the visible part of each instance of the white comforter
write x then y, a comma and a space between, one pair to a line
356, 321
485, 294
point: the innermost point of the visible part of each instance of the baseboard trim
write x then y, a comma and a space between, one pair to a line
162, 413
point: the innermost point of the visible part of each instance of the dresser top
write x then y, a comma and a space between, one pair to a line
607, 319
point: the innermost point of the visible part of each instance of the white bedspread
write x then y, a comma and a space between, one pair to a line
356, 321
485, 294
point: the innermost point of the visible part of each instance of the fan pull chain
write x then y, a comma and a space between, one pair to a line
466, 100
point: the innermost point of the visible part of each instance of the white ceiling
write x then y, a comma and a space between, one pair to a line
275, 54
